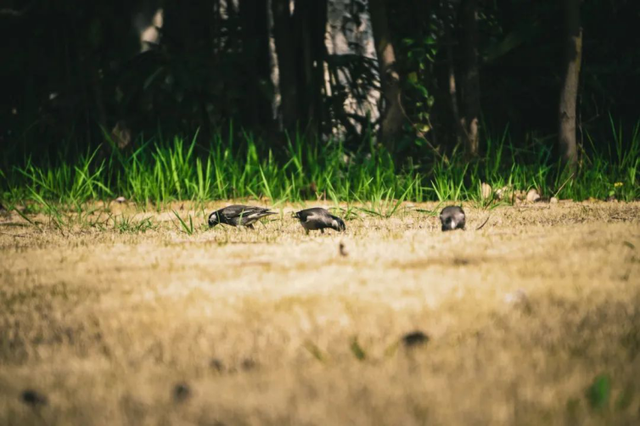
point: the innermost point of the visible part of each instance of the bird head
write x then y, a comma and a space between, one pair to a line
214, 219
452, 218
448, 223
338, 224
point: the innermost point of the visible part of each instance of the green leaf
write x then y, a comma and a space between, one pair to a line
599, 392
357, 350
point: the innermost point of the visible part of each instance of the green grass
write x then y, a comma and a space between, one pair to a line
161, 171
129, 225
185, 227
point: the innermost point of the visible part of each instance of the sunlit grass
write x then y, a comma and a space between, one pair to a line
273, 325
160, 171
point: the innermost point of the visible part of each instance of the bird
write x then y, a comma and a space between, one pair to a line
318, 218
452, 217
238, 215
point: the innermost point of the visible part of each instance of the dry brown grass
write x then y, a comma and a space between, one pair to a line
274, 327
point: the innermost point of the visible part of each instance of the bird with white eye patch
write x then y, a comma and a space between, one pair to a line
317, 218
238, 215
452, 217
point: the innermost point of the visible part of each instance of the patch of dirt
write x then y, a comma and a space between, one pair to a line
113, 324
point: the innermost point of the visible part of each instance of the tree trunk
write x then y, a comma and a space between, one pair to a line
392, 116
471, 79
451, 82
255, 45
319, 47
301, 54
188, 31
285, 51
187, 34
310, 19
569, 91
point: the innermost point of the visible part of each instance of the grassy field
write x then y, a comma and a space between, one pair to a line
161, 170
123, 316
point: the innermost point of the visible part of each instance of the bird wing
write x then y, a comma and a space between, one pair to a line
234, 210
321, 216
315, 213
247, 214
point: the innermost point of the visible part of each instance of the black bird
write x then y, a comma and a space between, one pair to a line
238, 215
452, 217
319, 218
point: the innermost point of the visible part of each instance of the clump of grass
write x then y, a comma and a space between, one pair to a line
357, 350
160, 171
185, 227
129, 225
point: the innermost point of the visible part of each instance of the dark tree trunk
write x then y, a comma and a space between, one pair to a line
301, 54
310, 26
285, 50
569, 91
188, 31
392, 116
255, 45
188, 34
471, 79
319, 49
451, 84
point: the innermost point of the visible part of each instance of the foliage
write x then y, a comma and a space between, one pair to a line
161, 171
212, 66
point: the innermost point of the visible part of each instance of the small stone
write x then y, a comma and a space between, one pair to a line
414, 339
181, 392
33, 398
611, 199
553, 200
342, 250
532, 195
504, 193
485, 191
519, 195
120, 200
